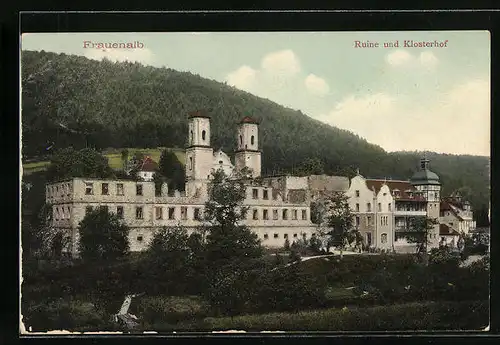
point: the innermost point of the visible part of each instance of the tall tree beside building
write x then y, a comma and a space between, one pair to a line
68, 163
227, 239
418, 232
340, 220
172, 169
102, 236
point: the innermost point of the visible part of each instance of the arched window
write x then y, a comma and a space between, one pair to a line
252, 140
383, 238
241, 140
203, 133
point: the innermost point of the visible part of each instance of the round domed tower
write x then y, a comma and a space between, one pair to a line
427, 182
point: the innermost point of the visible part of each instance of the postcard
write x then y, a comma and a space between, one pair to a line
255, 182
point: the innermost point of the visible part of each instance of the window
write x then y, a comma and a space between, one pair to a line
252, 140
294, 215
357, 194
159, 212
383, 238
255, 215
265, 195
389, 205
304, 236
220, 162
103, 208
285, 214
105, 189
266, 236
276, 236
119, 211
89, 188
190, 163
369, 220
265, 214
197, 214
357, 220
171, 213
183, 212
203, 135
304, 215
119, 189
357, 207
255, 193
275, 214
379, 207
191, 137
285, 236
294, 235
139, 238
138, 212
88, 209
138, 189
241, 140
368, 207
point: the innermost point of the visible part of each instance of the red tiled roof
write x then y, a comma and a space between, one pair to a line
248, 119
148, 164
402, 186
198, 113
445, 230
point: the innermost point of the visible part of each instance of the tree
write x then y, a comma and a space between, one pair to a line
286, 245
227, 239
340, 220
124, 157
68, 163
102, 236
172, 169
419, 232
311, 166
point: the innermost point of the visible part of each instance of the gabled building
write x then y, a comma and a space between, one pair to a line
146, 169
457, 214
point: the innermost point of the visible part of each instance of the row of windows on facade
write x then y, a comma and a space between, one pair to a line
285, 236
369, 207
411, 194
197, 213
64, 189
384, 220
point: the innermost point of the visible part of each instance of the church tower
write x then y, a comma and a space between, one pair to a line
428, 183
248, 153
199, 154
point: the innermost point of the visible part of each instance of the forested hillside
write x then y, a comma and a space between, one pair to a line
71, 100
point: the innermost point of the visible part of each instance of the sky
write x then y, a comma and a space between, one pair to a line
432, 97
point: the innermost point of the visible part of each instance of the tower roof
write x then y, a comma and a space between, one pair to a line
198, 113
248, 119
424, 175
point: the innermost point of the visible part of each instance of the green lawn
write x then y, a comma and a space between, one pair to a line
400, 317
114, 159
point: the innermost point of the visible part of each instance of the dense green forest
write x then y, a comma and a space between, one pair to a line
70, 100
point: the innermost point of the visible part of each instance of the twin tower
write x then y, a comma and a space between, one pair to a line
200, 158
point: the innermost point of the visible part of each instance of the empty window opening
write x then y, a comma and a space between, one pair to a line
89, 188
304, 215
183, 213
159, 212
265, 194
265, 215
139, 238
197, 214
285, 214
138, 189
203, 134
275, 214
138, 212
255, 193
171, 211
119, 189
119, 212
105, 189
266, 236
252, 140
276, 236
255, 214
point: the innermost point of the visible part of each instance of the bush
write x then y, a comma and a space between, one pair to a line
152, 310
72, 315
